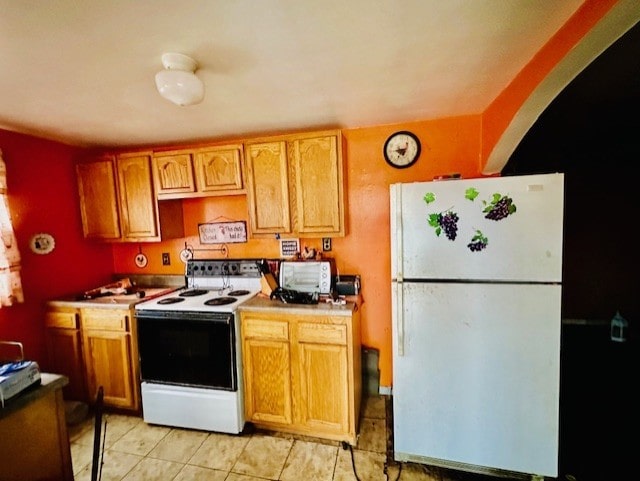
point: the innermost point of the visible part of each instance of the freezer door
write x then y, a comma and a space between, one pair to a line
477, 381
524, 245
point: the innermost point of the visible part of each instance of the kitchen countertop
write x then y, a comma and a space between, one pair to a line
263, 303
119, 301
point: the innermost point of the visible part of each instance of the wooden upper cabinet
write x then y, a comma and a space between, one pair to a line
268, 188
137, 203
215, 170
98, 198
173, 172
316, 165
295, 185
219, 168
118, 202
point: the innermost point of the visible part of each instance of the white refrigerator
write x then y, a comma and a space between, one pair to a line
476, 290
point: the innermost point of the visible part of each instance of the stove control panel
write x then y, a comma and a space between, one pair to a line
222, 268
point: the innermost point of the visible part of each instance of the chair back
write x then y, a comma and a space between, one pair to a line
98, 449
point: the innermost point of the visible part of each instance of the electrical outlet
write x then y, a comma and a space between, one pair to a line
166, 260
326, 244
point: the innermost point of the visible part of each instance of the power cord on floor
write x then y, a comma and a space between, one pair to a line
345, 445
386, 471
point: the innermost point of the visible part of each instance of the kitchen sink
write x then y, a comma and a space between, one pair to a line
125, 299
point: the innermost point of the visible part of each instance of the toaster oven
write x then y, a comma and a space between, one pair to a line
307, 276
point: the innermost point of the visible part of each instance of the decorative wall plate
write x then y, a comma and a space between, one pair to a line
141, 260
42, 243
186, 254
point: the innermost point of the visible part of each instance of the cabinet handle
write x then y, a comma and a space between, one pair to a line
126, 323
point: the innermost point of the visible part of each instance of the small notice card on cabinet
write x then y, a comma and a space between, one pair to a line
223, 232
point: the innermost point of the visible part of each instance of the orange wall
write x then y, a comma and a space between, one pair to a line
41, 187
448, 145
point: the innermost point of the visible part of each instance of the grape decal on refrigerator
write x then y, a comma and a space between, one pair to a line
498, 208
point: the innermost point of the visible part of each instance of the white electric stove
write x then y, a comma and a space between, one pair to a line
190, 351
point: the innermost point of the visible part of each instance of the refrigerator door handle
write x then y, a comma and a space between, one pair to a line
399, 318
398, 274
398, 234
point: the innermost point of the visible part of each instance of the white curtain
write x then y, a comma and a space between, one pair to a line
10, 283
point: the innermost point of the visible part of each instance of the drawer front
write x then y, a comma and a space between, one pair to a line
322, 333
105, 319
63, 319
263, 329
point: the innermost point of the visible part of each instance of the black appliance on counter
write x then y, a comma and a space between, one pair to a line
289, 296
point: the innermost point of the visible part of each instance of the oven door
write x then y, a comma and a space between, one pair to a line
187, 348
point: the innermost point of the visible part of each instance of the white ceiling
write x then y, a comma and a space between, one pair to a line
82, 72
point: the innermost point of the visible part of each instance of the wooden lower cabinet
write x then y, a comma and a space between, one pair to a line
95, 347
109, 356
64, 348
266, 369
302, 373
321, 377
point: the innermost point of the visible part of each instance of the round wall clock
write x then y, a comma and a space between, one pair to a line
402, 149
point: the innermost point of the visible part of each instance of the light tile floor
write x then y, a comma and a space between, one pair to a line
137, 451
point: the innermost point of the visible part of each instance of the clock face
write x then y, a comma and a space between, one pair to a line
402, 149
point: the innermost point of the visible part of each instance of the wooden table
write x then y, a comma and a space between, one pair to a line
34, 442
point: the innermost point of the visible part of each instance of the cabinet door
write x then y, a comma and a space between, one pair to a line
316, 168
266, 370
173, 172
98, 198
65, 357
138, 205
107, 357
219, 168
268, 188
321, 383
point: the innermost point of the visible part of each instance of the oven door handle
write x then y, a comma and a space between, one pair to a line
226, 318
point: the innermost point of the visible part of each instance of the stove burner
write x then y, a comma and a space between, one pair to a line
220, 301
171, 300
193, 293
239, 292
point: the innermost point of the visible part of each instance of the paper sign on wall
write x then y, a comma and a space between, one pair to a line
289, 247
223, 232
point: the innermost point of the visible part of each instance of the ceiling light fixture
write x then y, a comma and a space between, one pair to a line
178, 82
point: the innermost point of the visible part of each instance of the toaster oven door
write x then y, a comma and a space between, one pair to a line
310, 276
